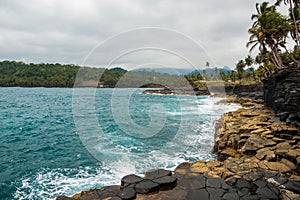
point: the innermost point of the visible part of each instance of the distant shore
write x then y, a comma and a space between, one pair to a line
254, 91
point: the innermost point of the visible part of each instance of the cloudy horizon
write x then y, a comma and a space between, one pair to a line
53, 31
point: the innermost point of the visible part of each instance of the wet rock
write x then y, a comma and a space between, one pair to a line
63, 198
157, 173
127, 193
131, 179
108, 191
166, 182
146, 186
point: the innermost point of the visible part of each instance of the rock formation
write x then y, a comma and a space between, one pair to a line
282, 93
258, 157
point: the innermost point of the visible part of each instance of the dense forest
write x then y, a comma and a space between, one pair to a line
20, 74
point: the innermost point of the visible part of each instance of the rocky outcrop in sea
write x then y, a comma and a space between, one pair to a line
249, 91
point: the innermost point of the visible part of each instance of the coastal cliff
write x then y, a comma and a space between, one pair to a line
282, 93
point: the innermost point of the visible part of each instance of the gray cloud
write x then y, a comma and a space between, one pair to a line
66, 30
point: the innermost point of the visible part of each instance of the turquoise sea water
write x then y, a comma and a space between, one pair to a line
43, 155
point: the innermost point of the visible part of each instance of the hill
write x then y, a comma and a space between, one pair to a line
20, 74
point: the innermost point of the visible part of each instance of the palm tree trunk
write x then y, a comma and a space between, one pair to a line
295, 23
277, 60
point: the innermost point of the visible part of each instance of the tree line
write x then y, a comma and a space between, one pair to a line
20, 74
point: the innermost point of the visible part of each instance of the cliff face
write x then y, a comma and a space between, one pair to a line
253, 91
282, 93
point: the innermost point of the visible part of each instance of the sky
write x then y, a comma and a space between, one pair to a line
126, 33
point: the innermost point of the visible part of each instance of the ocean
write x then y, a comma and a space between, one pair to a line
59, 141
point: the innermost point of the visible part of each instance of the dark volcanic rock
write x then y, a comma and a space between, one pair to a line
215, 193
108, 191
231, 196
213, 182
198, 182
282, 93
130, 179
63, 198
293, 186
146, 186
197, 194
127, 193
241, 183
166, 182
157, 173
266, 193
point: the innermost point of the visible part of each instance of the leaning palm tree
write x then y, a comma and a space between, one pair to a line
269, 31
294, 12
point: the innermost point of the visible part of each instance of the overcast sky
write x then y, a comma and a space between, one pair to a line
66, 31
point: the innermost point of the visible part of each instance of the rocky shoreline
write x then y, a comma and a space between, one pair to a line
254, 91
258, 157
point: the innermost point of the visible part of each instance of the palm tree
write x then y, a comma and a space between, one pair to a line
249, 61
294, 10
240, 68
269, 30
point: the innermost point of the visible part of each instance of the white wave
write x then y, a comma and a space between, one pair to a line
49, 183
193, 141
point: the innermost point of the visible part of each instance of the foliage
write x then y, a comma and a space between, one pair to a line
269, 34
269, 30
14, 74
240, 68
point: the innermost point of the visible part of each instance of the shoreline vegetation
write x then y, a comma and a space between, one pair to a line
258, 157
20, 74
